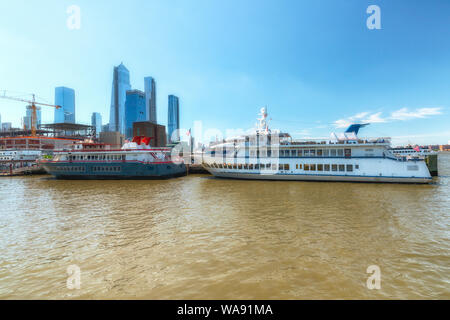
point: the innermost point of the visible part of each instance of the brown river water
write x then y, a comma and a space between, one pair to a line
199, 237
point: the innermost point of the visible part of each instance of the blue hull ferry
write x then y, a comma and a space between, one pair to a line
89, 160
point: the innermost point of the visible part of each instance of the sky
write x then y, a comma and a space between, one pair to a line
314, 64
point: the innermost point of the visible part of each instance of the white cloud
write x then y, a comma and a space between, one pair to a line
402, 114
405, 114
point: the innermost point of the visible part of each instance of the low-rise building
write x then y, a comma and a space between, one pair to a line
153, 130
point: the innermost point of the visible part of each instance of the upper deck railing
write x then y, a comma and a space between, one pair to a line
371, 141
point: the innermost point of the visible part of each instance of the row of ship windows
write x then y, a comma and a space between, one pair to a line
98, 157
106, 169
306, 153
286, 167
94, 169
71, 169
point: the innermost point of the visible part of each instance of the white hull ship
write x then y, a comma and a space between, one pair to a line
267, 155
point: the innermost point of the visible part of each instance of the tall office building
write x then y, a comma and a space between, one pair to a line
150, 98
120, 86
173, 121
96, 122
6, 126
65, 97
105, 127
134, 110
28, 117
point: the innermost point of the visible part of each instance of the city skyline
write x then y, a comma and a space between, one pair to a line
316, 70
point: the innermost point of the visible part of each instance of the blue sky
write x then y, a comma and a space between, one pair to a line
314, 64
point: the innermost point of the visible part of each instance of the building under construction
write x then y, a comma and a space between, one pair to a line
47, 137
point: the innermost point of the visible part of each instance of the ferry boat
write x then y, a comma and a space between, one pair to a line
136, 160
274, 155
19, 155
411, 151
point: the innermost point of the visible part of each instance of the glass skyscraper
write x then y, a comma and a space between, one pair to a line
173, 121
135, 110
28, 117
96, 121
120, 86
65, 97
150, 98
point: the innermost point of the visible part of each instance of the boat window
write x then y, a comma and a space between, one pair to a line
240, 166
333, 152
296, 166
349, 168
341, 167
274, 166
294, 153
257, 166
299, 152
286, 166
306, 167
356, 166
340, 152
326, 153
281, 153
306, 153
334, 167
312, 152
326, 167
280, 167
348, 153
251, 166
300, 166
319, 152
313, 167
320, 167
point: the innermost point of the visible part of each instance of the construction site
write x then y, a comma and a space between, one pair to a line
21, 147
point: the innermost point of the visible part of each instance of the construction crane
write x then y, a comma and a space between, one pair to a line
32, 104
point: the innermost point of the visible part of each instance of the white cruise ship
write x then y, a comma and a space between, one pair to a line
274, 155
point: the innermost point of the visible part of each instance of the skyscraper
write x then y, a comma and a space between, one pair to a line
120, 86
96, 121
65, 97
6, 126
134, 110
150, 98
28, 117
173, 121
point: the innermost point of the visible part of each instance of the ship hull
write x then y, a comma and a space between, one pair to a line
328, 178
114, 171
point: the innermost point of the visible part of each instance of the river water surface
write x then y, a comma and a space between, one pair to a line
200, 237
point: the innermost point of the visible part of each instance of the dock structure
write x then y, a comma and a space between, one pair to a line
432, 164
12, 171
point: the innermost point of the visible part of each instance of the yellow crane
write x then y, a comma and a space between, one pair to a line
33, 107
